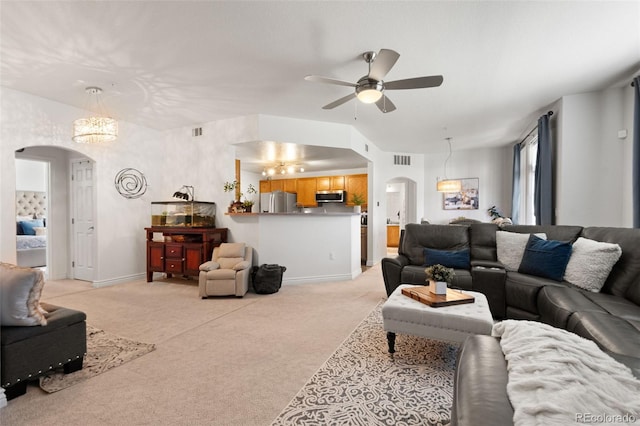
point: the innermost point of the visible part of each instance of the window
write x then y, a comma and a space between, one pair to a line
528, 157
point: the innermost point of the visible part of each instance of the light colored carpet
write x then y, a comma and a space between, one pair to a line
104, 352
219, 361
362, 384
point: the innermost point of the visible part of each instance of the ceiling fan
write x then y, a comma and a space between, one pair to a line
369, 89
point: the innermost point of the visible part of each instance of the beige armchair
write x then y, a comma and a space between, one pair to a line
227, 273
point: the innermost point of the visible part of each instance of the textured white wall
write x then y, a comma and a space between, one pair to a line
31, 175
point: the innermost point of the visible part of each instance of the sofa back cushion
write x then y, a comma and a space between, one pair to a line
417, 237
624, 279
565, 233
482, 238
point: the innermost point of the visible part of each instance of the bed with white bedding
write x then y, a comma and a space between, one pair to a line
31, 231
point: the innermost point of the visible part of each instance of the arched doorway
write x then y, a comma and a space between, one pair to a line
401, 201
60, 252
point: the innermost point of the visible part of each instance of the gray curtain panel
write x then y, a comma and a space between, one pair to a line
543, 192
636, 153
515, 187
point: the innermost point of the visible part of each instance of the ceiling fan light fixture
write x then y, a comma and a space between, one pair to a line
369, 91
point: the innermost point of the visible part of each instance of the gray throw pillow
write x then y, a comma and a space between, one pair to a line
590, 263
20, 291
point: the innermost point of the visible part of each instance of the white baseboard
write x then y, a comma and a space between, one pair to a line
316, 279
119, 280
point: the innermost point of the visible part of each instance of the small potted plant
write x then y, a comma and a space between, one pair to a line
438, 277
235, 206
358, 200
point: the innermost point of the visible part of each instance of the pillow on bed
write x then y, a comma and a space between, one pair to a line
40, 230
20, 291
29, 225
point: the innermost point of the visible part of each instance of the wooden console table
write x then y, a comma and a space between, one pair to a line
182, 249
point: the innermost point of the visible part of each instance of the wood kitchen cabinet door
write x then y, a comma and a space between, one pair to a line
323, 183
337, 183
291, 185
307, 192
356, 184
265, 186
277, 185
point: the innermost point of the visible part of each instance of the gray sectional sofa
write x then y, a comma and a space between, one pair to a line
610, 317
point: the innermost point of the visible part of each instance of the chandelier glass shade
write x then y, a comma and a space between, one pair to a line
95, 128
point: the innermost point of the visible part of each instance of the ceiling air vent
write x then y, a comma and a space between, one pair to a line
402, 160
197, 131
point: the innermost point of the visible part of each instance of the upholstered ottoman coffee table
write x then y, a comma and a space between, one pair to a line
402, 314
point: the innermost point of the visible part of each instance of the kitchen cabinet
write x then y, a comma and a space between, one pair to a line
307, 188
356, 184
182, 250
286, 185
265, 186
393, 235
330, 183
291, 185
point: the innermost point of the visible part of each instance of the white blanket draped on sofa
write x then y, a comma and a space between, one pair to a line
559, 378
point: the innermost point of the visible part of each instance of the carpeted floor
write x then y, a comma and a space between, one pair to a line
220, 361
104, 352
362, 384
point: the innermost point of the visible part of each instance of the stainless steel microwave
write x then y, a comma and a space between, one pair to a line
331, 196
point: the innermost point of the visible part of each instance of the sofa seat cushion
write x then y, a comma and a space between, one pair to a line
611, 333
412, 274
57, 318
615, 305
522, 290
221, 274
557, 304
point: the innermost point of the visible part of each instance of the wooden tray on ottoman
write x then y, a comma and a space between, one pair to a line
423, 295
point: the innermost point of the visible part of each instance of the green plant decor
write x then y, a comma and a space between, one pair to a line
357, 199
440, 273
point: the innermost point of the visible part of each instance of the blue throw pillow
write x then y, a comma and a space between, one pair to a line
28, 225
458, 259
545, 258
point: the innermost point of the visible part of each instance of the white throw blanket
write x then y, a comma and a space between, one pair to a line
559, 378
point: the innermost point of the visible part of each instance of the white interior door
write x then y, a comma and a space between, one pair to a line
82, 220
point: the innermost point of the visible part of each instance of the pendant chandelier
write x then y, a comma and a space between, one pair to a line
95, 129
448, 185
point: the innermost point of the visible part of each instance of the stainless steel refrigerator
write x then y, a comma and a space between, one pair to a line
278, 202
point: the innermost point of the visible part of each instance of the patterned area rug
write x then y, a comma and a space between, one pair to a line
362, 384
104, 352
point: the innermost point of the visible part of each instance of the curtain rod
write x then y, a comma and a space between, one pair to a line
549, 113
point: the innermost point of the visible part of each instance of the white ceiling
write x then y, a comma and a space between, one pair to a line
169, 64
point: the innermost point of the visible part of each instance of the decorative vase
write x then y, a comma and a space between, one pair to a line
357, 209
247, 209
437, 287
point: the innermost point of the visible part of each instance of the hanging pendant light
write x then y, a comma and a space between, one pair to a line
448, 185
95, 129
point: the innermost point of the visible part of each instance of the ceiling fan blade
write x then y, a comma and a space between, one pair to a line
339, 101
414, 83
385, 104
318, 79
382, 63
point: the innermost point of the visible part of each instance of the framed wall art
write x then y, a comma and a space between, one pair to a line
466, 199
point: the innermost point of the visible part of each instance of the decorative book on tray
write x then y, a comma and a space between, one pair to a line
423, 295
